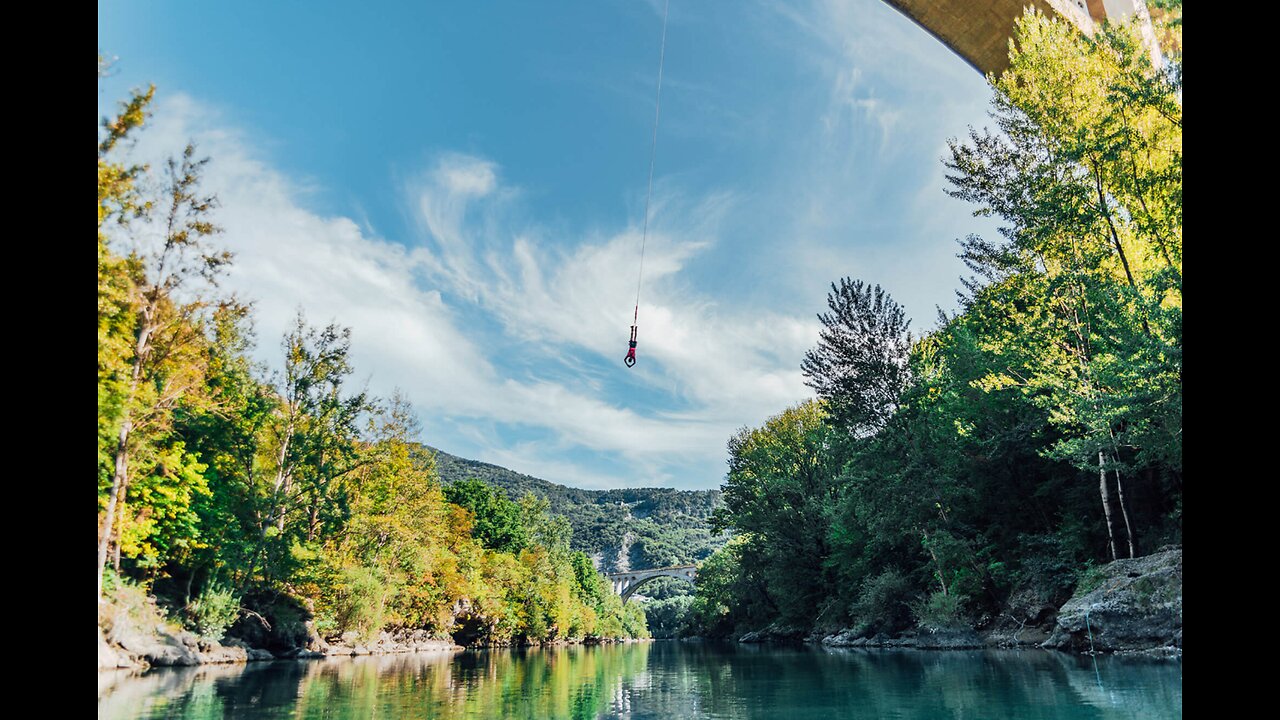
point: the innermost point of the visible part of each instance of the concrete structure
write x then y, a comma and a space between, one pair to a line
625, 584
979, 30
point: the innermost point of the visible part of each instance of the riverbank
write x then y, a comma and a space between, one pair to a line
1126, 606
163, 645
1132, 605
134, 634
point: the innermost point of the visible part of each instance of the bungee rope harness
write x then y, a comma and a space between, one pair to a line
630, 359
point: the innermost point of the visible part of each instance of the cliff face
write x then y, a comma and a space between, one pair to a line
1136, 606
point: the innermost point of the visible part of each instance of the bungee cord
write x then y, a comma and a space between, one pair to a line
630, 359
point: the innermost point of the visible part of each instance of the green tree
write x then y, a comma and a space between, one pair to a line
860, 364
388, 558
550, 532
1083, 297
954, 482
731, 591
230, 433
778, 495
163, 364
498, 525
317, 432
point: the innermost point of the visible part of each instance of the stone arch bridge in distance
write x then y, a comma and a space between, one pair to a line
626, 583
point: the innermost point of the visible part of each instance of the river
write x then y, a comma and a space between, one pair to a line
660, 680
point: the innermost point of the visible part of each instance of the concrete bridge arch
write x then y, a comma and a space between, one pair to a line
979, 30
626, 583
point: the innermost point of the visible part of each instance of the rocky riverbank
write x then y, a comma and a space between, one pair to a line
1135, 605
1130, 605
163, 646
134, 634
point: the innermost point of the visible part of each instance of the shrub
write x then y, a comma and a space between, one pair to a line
213, 611
127, 609
360, 602
634, 624
883, 603
940, 612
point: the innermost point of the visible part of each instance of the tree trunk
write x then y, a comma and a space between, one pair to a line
120, 478
313, 516
942, 577
1119, 246
1124, 512
282, 483
117, 489
1106, 504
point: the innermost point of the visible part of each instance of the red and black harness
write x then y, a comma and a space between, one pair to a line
630, 359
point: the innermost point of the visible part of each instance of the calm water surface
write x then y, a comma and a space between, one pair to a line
660, 680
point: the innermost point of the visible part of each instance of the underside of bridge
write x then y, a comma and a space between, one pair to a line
979, 30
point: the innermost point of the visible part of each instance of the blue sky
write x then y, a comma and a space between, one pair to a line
463, 185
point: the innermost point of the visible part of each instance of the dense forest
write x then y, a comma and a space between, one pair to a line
979, 472
275, 503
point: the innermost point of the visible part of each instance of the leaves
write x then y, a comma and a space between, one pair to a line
967, 466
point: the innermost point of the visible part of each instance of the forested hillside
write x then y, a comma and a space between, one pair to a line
621, 529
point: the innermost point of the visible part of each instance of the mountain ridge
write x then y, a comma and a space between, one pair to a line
620, 528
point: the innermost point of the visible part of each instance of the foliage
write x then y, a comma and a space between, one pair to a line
497, 524
1083, 298
730, 592
884, 602
669, 616
777, 496
1032, 434
860, 364
939, 611
213, 611
161, 520
128, 609
1089, 578
153, 303
288, 502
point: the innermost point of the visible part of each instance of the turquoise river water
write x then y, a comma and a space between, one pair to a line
660, 680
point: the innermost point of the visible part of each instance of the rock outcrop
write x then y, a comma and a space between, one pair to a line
108, 657
1136, 606
162, 646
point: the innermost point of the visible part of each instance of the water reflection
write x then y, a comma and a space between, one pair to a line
661, 680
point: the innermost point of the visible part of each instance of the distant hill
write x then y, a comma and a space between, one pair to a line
621, 529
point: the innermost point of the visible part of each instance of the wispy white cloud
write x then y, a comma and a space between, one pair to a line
412, 309
506, 324
893, 95
692, 346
